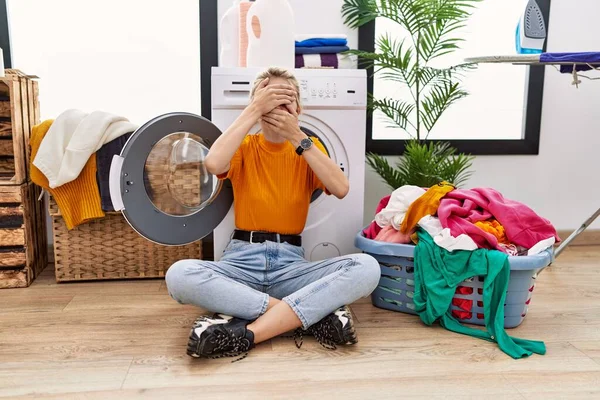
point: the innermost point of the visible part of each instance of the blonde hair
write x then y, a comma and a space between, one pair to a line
277, 72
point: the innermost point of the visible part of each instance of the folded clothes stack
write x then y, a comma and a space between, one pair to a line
323, 51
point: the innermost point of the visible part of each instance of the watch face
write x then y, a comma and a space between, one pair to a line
306, 143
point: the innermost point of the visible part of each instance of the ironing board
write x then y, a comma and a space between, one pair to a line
573, 63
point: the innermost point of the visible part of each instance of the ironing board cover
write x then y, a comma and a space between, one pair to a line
578, 58
568, 62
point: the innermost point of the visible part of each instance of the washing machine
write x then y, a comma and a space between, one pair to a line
160, 184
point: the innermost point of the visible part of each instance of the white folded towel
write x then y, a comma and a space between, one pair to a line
73, 137
302, 37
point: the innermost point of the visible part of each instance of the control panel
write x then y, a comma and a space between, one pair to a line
318, 88
329, 92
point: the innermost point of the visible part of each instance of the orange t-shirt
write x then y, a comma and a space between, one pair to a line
272, 186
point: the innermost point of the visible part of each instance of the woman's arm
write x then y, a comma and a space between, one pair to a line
324, 167
222, 151
265, 99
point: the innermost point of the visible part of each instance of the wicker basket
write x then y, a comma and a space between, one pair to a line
108, 248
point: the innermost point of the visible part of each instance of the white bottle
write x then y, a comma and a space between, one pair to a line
229, 32
271, 27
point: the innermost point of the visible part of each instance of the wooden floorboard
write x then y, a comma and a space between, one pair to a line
126, 339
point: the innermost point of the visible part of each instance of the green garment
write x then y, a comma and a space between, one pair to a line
437, 274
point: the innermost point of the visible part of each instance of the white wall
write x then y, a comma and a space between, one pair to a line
562, 182
135, 58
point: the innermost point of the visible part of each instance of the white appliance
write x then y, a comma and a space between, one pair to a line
334, 110
161, 186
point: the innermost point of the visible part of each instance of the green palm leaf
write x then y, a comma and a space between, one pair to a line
440, 98
433, 41
397, 111
429, 75
391, 176
410, 14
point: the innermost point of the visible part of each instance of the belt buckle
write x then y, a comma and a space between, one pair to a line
251, 237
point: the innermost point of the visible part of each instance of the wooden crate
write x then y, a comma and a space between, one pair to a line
19, 112
108, 248
23, 236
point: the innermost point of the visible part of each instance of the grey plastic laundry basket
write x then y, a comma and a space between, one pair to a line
396, 287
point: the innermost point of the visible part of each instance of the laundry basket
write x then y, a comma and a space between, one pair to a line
396, 287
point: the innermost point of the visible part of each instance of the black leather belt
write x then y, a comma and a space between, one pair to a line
260, 237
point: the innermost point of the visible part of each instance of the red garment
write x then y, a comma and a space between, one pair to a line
460, 209
373, 230
462, 314
464, 290
465, 305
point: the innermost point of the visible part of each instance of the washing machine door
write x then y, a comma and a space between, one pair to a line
160, 183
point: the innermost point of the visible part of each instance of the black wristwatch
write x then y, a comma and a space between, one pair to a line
305, 144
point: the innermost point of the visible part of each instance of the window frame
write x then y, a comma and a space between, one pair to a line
528, 145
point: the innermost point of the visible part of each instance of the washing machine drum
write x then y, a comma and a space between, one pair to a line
175, 176
160, 182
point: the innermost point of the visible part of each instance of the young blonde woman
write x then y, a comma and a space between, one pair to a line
263, 286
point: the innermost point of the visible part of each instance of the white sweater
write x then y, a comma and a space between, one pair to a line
73, 137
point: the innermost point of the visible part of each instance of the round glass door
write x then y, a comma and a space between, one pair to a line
168, 196
175, 176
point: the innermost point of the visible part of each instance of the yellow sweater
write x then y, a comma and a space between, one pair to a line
272, 186
78, 200
427, 204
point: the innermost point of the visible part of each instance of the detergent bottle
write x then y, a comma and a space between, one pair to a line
229, 32
270, 27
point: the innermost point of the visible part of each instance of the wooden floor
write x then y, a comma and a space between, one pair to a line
121, 340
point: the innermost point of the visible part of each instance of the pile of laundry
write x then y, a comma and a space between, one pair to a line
323, 51
461, 219
461, 234
71, 158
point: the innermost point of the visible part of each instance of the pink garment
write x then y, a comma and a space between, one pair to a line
461, 208
372, 230
391, 235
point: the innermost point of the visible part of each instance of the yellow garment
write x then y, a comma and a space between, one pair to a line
492, 226
272, 186
427, 204
78, 200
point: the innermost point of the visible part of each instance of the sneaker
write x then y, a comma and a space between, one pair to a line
220, 336
335, 329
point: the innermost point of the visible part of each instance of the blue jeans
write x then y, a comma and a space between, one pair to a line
242, 281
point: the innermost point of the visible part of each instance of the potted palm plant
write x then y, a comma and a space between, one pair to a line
429, 25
